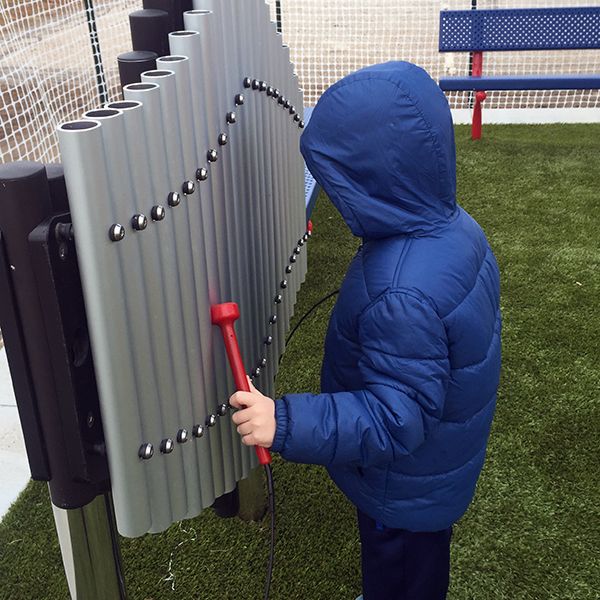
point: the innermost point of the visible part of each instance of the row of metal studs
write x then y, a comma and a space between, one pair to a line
279, 298
262, 86
167, 445
139, 221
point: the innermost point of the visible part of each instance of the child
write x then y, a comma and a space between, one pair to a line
412, 354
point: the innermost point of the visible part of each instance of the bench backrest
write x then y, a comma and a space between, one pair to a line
573, 28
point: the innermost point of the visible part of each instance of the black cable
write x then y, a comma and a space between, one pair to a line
271, 495
269, 471
306, 314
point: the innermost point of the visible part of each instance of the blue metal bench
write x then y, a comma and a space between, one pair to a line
311, 188
478, 31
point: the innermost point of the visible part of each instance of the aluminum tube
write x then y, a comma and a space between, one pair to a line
206, 78
240, 202
260, 293
207, 22
153, 141
235, 14
235, 72
275, 173
265, 200
213, 23
88, 186
238, 72
188, 43
208, 400
289, 153
145, 355
195, 453
279, 133
181, 234
273, 53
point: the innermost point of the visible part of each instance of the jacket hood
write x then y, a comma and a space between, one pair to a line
381, 144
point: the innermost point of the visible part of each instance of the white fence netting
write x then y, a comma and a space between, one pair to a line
48, 72
330, 38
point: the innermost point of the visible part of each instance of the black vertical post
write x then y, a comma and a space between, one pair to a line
95, 42
278, 15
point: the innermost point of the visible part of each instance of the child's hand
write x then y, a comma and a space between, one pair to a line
256, 417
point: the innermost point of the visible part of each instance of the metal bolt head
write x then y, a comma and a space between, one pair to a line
301, 124
296, 118
278, 299
146, 451
231, 117
222, 410
116, 232
305, 237
167, 446
301, 242
268, 340
212, 155
198, 431
292, 109
255, 84
247, 82
256, 372
90, 420
183, 436
263, 362
222, 139
283, 284
63, 251
211, 420
269, 91
173, 199
158, 212
273, 319
286, 104
202, 174
188, 187
288, 269
293, 258
276, 93
281, 100
139, 222
239, 99
262, 86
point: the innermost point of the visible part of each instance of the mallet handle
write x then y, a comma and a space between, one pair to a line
224, 316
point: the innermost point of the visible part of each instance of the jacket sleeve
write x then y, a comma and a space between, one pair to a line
405, 368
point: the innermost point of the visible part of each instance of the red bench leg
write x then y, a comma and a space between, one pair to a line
476, 125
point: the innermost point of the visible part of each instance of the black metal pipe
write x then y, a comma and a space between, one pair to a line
133, 64
150, 30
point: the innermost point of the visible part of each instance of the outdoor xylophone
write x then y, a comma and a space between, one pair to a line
186, 194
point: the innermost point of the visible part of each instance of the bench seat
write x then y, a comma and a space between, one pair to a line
584, 81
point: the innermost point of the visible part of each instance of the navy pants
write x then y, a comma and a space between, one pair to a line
403, 565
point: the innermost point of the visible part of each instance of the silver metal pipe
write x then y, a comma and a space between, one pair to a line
146, 356
88, 186
90, 550
204, 399
188, 43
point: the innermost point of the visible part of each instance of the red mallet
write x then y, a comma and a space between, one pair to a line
224, 315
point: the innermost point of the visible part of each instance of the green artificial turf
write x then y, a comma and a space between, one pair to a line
533, 530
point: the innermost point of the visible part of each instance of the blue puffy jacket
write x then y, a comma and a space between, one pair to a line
412, 354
